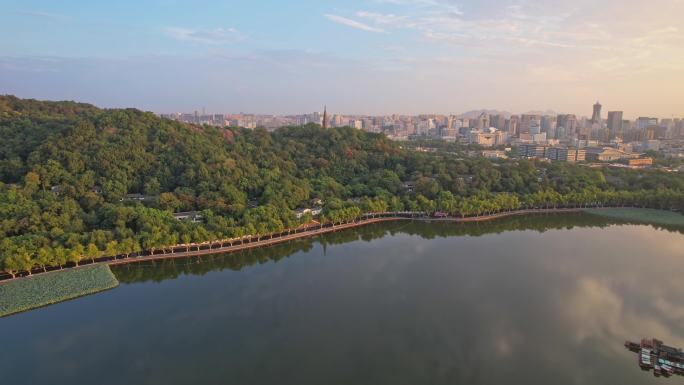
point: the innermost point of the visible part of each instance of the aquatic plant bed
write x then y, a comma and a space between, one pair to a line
661, 217
45, 289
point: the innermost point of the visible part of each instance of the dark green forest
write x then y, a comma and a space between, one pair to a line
66, 170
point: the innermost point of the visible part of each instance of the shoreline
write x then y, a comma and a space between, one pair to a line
43, 280
246, 243
641, 215
24, 295
226, 246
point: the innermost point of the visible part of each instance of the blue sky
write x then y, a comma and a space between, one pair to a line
358, 56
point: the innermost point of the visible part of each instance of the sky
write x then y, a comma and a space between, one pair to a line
356, 56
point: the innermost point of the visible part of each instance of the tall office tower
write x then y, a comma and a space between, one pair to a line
535, 127
512, 126
498, 122
596, 116
569, 124
548, 123
560, 133
527, 121
614, 124
669, 126
337, 121
482, 122
643, 122
679, 128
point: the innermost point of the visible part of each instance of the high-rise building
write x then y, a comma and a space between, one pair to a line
482, 122
548, 123
355, 123
614, 124
498, 122
643, 122
336, 121
529, 120
511, 126
679, 128
596, 116
568, 123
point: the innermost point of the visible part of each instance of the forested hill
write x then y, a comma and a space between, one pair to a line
66, 169
77, 147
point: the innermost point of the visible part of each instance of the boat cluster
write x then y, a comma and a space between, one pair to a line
663, 360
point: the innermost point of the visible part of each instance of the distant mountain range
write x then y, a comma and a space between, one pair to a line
474, 114
547, 113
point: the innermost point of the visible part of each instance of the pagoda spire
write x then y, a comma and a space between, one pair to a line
325, 117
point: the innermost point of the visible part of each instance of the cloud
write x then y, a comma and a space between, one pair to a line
379, 18
597, 311
205, 36
520, 31
352, 23
442, 5
46, 15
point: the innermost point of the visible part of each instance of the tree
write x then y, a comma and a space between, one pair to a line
427, 187
31, 183
248, 182
112, 249
168, 201
45, 257
13, 264
92, 252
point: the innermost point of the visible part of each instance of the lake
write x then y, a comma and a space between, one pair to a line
528, 300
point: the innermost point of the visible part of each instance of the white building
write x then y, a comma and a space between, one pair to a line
488, 138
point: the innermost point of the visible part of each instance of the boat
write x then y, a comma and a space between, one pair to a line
654, 355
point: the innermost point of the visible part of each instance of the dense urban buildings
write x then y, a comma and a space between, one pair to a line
557, 137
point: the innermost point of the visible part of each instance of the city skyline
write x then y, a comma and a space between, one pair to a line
535, 131
605, 113
370, 57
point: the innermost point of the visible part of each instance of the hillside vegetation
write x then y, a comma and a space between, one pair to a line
66, 168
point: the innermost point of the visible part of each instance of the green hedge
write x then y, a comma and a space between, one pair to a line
660, 217
45, 289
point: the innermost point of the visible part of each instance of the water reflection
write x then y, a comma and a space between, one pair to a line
170, 269
523, 301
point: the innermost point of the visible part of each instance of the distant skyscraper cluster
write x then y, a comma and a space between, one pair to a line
489, 129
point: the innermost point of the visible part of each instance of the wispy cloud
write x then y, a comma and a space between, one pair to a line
380, 18
45, 15
353, 23
206, 36
444, 5
523, 26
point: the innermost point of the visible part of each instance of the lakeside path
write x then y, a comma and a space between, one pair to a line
329, 229
382, 217
223, 247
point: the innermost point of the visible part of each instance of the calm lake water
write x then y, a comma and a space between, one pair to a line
534, 300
